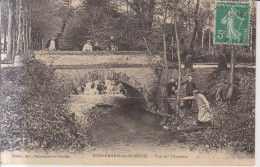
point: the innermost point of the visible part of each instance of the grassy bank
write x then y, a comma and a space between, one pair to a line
234, 121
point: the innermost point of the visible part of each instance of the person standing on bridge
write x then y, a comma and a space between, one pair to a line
96, 47
188, 64
113, 44
87, 47
190, 87
52, 44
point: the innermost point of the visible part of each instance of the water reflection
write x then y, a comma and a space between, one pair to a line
101, 87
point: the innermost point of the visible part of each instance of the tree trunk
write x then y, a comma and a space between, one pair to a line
14, 44
165, 56
30, 36
202, 39
251, 40
179, 70
5, 35
193, 40
172, 48
0, 30
20, 29
11, 7
27, 36
209, 27
42, 44
231, 74
209, 40
151, 13
24, 35
164, 44
189, 17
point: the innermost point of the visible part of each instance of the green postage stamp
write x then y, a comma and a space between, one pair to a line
232, 23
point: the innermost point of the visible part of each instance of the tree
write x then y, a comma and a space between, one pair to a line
11, 22
144, 10
196, 27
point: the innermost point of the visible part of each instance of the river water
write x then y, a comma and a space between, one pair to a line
124, 125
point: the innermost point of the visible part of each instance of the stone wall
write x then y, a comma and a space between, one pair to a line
140, 71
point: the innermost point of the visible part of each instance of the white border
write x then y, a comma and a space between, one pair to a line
257, 84
257, 155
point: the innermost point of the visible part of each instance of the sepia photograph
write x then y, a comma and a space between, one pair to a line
128, 82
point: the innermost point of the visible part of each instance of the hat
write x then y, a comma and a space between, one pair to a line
195, 91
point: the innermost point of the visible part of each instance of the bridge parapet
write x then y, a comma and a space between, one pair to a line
78, 59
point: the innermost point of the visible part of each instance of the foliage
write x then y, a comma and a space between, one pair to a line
35, 110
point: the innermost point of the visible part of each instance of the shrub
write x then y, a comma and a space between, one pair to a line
35, 110
236, 119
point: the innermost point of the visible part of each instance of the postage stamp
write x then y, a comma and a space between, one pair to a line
232, 23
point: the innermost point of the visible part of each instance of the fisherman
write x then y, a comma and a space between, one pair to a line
205, 113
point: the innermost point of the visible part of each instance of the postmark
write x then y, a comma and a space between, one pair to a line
232, 23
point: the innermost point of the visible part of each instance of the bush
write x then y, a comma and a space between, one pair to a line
236, 119
35, 110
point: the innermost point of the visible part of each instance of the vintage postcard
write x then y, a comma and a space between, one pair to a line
128, 82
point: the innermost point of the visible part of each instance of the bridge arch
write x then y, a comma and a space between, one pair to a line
81, 76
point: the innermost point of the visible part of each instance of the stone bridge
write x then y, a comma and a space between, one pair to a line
137, 69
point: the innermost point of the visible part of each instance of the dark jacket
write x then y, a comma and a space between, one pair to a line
190, 87
56, 44
222, 63
169, 88
96, 48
